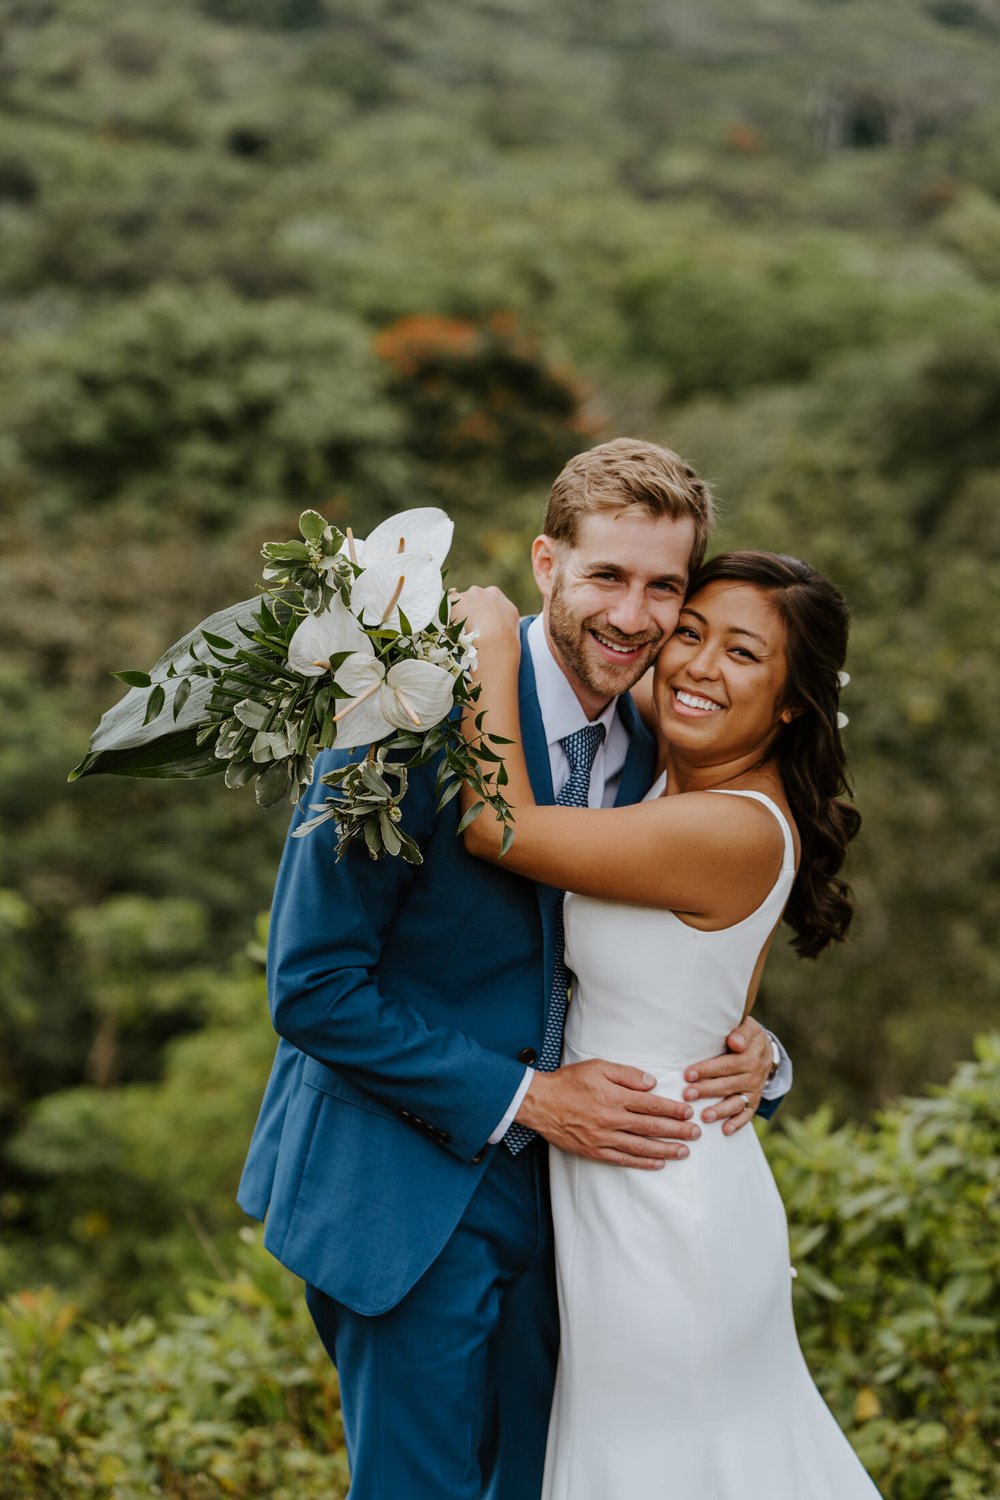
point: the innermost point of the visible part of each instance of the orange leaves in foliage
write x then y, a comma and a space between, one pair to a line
743, 139
483, 391
411, 342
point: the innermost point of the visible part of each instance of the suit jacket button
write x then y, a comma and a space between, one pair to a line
404, 1114
479, 1156
527, 1055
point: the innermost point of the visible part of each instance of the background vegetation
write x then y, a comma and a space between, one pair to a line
263, 254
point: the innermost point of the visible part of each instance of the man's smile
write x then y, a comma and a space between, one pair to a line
624, 651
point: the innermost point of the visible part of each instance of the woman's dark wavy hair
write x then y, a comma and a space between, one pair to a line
808, 751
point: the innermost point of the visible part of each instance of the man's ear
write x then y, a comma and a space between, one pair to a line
543, 563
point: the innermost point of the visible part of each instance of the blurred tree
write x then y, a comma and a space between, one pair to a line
196, 395
485, 410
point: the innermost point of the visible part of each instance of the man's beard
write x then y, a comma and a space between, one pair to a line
571, 635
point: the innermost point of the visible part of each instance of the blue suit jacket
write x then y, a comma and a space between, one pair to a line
403, 998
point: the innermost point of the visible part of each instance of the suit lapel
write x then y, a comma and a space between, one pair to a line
640, 763
536, 753
533, 736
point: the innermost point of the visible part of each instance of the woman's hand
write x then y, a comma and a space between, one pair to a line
491, 616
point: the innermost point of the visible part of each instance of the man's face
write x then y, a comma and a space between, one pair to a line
613, 598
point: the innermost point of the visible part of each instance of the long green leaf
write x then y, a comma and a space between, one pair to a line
175, 755
123, 745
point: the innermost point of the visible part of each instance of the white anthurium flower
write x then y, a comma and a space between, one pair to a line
425, 530
406, 581
417, 695
411, 695
360, 721
330, 633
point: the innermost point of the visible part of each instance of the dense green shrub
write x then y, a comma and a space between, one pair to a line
198, 394
895, 1239
233, 1397
894, 1236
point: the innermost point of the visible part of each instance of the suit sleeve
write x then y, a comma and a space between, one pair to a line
780, 1085
329, 921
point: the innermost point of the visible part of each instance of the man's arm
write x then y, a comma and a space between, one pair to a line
330, 919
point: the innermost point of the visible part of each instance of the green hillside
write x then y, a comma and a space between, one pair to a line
262, 254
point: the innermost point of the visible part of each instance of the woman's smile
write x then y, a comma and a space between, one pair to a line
691, 704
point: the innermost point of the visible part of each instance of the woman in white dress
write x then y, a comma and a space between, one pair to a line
679, 1358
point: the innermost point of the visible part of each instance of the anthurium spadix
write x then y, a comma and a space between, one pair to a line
325, 635
411, 695
407, 584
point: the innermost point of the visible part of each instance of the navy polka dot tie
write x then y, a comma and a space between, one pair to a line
580, 748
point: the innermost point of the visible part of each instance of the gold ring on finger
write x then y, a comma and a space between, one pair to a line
746, 1100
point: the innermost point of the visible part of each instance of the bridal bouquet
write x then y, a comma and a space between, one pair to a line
350, 644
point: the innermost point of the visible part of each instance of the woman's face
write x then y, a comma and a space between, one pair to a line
720, 677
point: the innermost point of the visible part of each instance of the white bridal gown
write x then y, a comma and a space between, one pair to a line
680, 1375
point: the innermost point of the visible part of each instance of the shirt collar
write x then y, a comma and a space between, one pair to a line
562, 712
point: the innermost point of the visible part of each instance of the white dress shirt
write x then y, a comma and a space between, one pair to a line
562, 715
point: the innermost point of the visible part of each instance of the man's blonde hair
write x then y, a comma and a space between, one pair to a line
626, 472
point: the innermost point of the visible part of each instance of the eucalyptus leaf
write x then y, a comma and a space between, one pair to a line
154, 704
470, 816
134, 679
182, 694
448, 793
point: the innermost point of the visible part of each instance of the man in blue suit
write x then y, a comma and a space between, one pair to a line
400, 1153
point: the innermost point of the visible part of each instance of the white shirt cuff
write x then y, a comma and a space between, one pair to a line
515, 1105
780, 1084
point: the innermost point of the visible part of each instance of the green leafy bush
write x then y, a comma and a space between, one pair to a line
894, 1235
234, 1397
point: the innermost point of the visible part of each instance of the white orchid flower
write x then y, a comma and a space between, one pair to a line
425, 530
329, 633
407, 582
411, 695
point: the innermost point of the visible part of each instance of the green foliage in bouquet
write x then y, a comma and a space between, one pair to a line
351, 646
